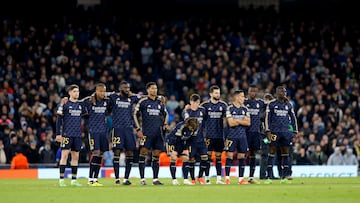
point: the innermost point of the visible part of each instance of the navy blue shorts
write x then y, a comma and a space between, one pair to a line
215, 144
153, 141
73, 143
253, 140
124, 139
236, 144
177, 145
283, 139
99, 141
197, 148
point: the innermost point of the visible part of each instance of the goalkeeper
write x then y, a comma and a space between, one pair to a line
178, 145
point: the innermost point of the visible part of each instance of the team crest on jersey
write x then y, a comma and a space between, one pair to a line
201, 114
243, 112
80, 107
129, 99
286, 107
220, 108
209, 108
70, 107
257, 105
159, 107
105, 104
247, 105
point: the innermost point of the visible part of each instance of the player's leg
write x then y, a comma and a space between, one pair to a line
202, 151
173, 158
192, 160
104, 146
130, 146
202, 168
155, 166
228, 164
62, 165
144, 151
129, 159
158, 146
94, 156
271, 155
241, 148
185, 159
117, 146
254, 147
208, 143
263, 160
116, 164
219, 146
76, 146
285, 140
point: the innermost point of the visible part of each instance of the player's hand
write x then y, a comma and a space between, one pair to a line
165, 127
140, 134
162, 99
64, 100
187, 107
295, 137
268, 135
131, 94
58, 138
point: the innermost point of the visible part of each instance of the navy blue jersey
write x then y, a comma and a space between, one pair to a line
122, 110
153, 116
279, 117
97, 115
68, 121
255, 107
236, 113
214, 114
199, 114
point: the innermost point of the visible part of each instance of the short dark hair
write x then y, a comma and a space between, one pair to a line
100, 85
149, 84
71, 87
194, 97
123, 82
237, 92
252, 86
214, 87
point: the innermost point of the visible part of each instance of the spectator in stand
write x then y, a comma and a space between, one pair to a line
2, 153
336, 158
19, 161
350, 158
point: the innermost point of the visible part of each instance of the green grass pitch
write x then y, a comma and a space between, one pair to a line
314, 190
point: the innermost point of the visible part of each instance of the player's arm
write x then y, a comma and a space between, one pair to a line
245, 121
230, 120
267, 122
136, 115
59, 123
293, 120
166, 118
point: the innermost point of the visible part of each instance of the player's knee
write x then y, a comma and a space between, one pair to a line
204, 158
129, 153
144, 151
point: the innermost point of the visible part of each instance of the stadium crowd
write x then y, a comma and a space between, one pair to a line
317, 61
